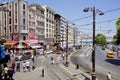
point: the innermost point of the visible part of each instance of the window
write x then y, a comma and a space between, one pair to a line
10, 21
23, 13
10, 6
15, 6
10, 28
16, 14
15, 27
24, 38
23, 21
15, 20
47, 10
24, 6
9, 13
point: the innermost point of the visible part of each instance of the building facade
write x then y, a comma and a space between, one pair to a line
36, 22
14, 24
57, 29
49, 24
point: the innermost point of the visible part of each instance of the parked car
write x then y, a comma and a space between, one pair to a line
103, 48
48, 51
110, 54
23, 56
58, 52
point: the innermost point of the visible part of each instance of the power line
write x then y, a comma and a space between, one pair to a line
112, 10
96, 23
92, 29
92, 15
81, 18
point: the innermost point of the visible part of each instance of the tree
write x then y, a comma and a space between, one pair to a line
118, 31
100, 39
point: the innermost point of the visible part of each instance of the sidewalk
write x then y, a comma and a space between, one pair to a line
35, 74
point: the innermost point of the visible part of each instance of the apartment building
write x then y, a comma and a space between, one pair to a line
14, 23
63, 31
49, 24
57, 34
36, 22
60, 30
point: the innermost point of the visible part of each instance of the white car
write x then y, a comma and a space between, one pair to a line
48, 51
18, 56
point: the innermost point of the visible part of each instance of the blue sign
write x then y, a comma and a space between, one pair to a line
2, 52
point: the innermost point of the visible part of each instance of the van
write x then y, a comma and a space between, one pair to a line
23, 56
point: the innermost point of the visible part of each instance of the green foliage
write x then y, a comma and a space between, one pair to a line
118, 31
118, 24
118, 37
100, 39
6, 45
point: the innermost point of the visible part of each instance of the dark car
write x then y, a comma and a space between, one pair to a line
103, 48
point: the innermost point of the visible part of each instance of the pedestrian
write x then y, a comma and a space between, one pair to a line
52, 60
10, 73
24, 67
1, 72
18, 66
5, 72
77, 65
63, 56
109, 76
32, 57
28, 65
13, 65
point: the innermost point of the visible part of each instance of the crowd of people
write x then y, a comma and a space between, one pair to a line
7, 70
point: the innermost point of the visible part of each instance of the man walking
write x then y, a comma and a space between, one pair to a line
18, 66
109, 76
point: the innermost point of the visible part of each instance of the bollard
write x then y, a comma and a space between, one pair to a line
42, 72
33, 67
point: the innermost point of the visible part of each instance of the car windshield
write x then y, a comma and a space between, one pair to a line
110, 53
20, 54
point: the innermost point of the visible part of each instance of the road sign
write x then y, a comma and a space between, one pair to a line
2, 52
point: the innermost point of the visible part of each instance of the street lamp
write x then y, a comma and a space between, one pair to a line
94, 11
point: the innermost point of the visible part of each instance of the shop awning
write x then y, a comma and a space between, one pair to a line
36, 47
26, 42
11, 42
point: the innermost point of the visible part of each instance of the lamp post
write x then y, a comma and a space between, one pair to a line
94, 11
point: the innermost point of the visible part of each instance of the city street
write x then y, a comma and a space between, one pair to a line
56, 71
59, 40
103, 64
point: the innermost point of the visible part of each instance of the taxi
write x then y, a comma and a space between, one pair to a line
110, 54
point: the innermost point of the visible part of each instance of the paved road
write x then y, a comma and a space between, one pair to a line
52, 72
103, 64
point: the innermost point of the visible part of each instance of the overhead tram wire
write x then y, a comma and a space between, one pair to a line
96, 23
112, 10
91, 15
81, 18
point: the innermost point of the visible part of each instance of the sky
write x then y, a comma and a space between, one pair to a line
72, 10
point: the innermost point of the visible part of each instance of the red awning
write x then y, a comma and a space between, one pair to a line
11, 42
26, 42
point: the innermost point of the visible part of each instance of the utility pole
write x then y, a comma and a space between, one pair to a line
67, 44
74, 36
94, 11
